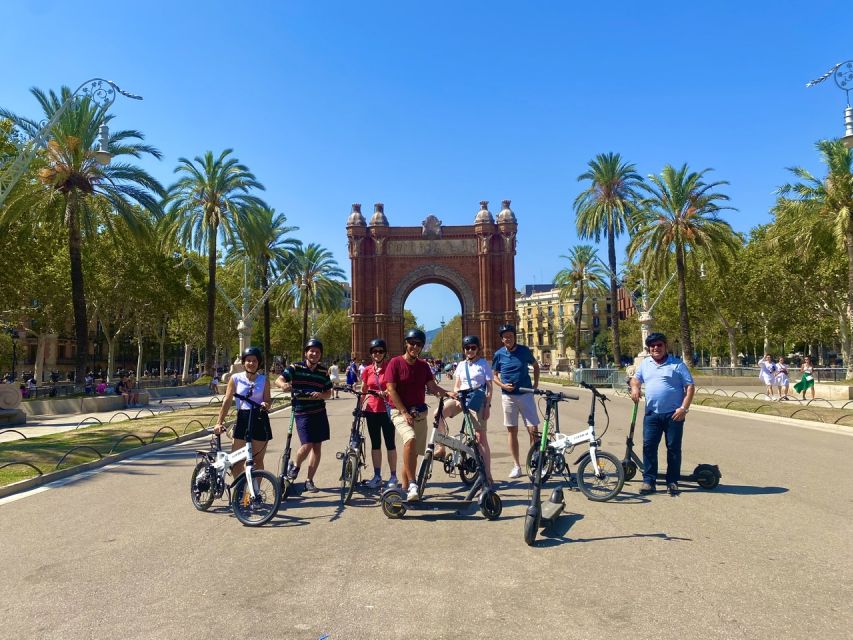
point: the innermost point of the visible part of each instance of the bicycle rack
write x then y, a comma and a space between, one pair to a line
213, 400
808, 411
721, 392
13, 431
136, 417
819, 400
84, 420
844, 406
72, 450
743, 393
167, 407
22, 464
198, 422
769, 406
120, 413
125, 437
160, 430
729, 403
840, 418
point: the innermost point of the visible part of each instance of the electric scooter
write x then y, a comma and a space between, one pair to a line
394, 504
284, 479
707, 476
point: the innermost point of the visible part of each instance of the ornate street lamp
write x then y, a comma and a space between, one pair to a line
842, 74
102, 93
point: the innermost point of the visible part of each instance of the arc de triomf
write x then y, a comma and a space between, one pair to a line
476, 262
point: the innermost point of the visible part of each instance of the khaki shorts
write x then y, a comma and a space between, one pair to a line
519, 404
418, 432
454, 408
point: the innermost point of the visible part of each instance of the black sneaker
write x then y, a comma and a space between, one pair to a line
310, 486
672, 487
647, 488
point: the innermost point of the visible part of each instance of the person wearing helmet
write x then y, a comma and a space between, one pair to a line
669, 392
312, 423
376, 414
257, 387
474, 372
510, 365
406, 378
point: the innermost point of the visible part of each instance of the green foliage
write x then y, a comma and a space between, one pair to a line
447, 343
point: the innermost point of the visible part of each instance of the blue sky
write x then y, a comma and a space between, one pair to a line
432, 107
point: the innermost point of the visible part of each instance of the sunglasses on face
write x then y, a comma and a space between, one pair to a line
379, 351
419, 345
656, 345
471, 347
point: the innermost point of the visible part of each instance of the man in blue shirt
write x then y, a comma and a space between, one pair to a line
509, 365
669, 392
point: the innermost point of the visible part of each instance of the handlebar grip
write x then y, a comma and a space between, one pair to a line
530, 390
570, 396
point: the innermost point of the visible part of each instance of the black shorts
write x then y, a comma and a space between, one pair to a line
313, 427
261, 430
379, 425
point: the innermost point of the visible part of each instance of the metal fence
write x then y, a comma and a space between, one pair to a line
821, 374
599, 377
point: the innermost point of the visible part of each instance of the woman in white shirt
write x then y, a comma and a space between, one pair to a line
767, 373
473, 373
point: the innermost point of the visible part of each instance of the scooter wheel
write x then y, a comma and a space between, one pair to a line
707, 476
531, 525
393, 505
285, 488
491, 505
630, 469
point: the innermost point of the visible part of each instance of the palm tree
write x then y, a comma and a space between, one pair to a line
679, 217
585, 272
262, 237
605, 207
204, 206
819, 213
316, 282
73, 191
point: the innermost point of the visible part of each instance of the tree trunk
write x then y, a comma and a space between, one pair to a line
138, 351
185, 374
848, 352
578, 319
211, 300
78, 296
111, 355
162, 341
267, 348
686, 342
614, 307
38, 372
732, 331
305, 319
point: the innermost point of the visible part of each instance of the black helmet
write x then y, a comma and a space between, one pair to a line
469, 340
416, 334
251, 351
377, 343
506, 327
313, 342
655, 337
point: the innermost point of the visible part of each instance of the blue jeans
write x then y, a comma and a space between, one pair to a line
656, 425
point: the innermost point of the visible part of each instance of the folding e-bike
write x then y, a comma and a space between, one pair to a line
254, 495
352, 458
394, 504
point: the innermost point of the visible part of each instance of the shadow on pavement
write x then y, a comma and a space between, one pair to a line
546, 541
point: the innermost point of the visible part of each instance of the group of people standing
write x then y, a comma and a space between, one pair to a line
774, 375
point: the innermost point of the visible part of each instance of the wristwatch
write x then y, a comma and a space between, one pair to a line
684, 409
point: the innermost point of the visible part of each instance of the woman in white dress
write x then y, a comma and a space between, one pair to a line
767, 373
782, 380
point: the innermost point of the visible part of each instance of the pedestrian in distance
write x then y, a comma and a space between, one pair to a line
782, 381
312, 422
511, 373
335, 377
407, 379
767, 374
377, 414
669, 392
806, 378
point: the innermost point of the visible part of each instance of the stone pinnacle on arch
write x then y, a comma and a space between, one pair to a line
506, 214
355, 218
484, 216
378, 219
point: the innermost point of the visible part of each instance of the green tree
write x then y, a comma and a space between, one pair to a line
448, 341
204, 206
679, 217
606, 207
817, 214
73, 185
584, 273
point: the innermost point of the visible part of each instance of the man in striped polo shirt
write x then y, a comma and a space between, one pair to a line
312, 423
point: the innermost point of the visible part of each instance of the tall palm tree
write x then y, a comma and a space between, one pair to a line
606, 207
819, 213
77, 193
263, 238
316, 282
584, 273
679, 216
204, 206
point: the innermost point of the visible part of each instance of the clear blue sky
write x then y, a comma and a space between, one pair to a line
432, 107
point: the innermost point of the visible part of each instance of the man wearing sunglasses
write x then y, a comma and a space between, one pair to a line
669, 392
406, 379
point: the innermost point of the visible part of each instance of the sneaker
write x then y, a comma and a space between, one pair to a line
292, 471
516, 472
375, 482
392, 482
310, 486
412, 494
672, 487
646, 488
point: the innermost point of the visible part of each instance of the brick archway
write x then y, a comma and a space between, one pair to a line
476, 262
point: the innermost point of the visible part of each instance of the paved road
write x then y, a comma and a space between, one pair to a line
123, 554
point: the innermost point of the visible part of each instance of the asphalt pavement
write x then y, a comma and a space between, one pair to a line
122, 553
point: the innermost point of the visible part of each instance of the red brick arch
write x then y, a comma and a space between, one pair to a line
476, 262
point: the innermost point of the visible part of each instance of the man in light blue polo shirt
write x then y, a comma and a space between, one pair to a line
669, 392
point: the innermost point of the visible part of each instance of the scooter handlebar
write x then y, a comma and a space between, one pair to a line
560, 395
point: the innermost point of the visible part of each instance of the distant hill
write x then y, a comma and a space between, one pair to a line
429, 336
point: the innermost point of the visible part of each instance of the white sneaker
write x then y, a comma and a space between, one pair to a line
516, 472
412, 495
374, 483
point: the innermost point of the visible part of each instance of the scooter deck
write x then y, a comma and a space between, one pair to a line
551, 511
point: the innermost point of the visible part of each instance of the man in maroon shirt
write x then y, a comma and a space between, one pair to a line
406, 378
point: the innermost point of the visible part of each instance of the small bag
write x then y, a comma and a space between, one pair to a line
475, 400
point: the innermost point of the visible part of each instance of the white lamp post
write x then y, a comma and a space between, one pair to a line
842, 73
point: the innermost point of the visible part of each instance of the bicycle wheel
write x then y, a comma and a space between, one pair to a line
533, 460
256, 511
491, 505
468, 471
630, 468
424, 473
608, 483
349, 477
531, 525
201, 487
393, 505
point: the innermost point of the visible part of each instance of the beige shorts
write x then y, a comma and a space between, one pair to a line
454, 408
418, 432
519, 404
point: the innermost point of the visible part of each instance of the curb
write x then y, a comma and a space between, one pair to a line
763, 417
